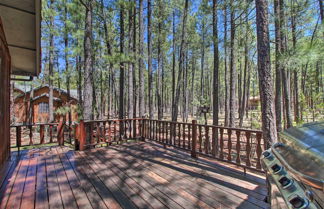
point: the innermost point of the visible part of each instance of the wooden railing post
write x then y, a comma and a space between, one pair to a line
18, 137
258, 150
194, 139
51, 133
41, 134
82, 136
30, 135
60, 133
141, 129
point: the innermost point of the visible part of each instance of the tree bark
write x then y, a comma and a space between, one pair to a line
130, 65
88, 70
159, 75
181, 62
216, 65
227, 89
51, 66
141, 93
264, 69
278, 102
149, 51
66, 45
202, 96
122, 64
233, 75
295, 79
173, 57
284, 72
246, 57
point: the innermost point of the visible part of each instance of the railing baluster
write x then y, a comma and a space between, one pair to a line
189, 135
200, 139
18, 137
214, 140
194, 139
248, 148
41, 134
238, 147
221, 155
104, 131
98, 131
164, 132
179, 135
207, 140
258, 150
30, 135
115, 130
51, 133
184, 135
229, 144
109, 132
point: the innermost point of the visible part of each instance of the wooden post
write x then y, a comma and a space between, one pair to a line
194, 139
82, 136
60, 133
18, 137
214, 140
76, 137
30, 135
238, 147
248, 148
258, 150
41, 134
51, 133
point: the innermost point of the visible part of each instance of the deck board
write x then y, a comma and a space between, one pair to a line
134, 175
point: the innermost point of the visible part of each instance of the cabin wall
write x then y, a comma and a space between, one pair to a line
21, 111
4, 99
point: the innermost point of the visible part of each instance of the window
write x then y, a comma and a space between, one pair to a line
43, 107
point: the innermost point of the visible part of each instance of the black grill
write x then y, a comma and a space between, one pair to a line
295, 168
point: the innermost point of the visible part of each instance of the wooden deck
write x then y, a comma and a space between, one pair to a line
134, 175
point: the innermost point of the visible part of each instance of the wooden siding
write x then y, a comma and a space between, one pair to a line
4, 99
21, 106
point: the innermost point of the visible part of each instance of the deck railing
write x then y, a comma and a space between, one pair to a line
23, 135
242, 147
99, 132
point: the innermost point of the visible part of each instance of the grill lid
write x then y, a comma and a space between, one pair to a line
302, 152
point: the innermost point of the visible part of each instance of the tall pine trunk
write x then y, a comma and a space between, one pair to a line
173, 57
264, 69
181, 62
122, 65
278, 102
216, 66
51, 66
159, 75
88, 70
66, 45
141, 93
227, 79
149, 54
233, 74
284, 71
130, 65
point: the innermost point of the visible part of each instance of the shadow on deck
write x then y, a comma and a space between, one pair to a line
134, 175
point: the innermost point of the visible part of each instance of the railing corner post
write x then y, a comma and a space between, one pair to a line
82, 136
194, 139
